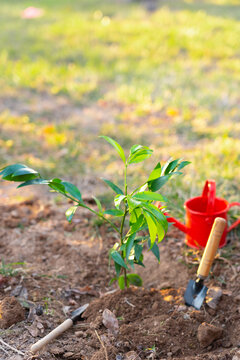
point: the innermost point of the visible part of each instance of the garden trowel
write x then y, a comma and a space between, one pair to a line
75, 316
196, 290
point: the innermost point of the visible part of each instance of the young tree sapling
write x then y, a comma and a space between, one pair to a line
135, 209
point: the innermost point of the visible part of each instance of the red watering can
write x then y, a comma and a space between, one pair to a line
200, 214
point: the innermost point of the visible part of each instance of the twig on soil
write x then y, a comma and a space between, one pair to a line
12, 348
104, 347
126, 301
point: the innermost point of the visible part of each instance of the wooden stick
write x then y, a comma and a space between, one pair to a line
12, 348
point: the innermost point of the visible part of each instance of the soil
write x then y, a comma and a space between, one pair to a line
62, 266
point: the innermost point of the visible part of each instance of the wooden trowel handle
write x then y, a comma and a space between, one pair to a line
211, 247
51, 336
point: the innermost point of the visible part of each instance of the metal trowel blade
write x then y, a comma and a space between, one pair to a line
195, 295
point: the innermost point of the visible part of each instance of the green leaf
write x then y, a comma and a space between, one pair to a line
117, 269
151, 226
136, 222
114, 212
18, 172
139, 153
171, 166
9, 170
155, 250
70, 212
183, 164
138, 251
156, 184
132, 203
113, 186
57, 186
149, 195
72, 190
118, 199
129, 245
116, 146
118, 259
98, 204
160, 217
134, 279
56, 180
34, 182
156, 173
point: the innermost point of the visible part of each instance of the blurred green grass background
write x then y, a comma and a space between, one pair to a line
167, 78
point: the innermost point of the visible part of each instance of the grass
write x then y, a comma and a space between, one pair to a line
167, 78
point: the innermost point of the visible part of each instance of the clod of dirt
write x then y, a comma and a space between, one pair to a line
110, 321
11, 312
207, 333
213, 296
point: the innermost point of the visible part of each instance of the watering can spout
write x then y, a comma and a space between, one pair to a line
177, 224
174, 221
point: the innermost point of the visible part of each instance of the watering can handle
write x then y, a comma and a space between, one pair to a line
209, 192
237, 222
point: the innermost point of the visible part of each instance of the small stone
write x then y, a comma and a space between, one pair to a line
169, 354
110, 321
119, 357
165, 285
39, 310
68, 355
155, 306
131, 355
15, 214
79, 333
72, 302
207, 333
186, 317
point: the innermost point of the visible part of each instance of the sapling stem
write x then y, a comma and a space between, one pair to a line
123, 221
121, 238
